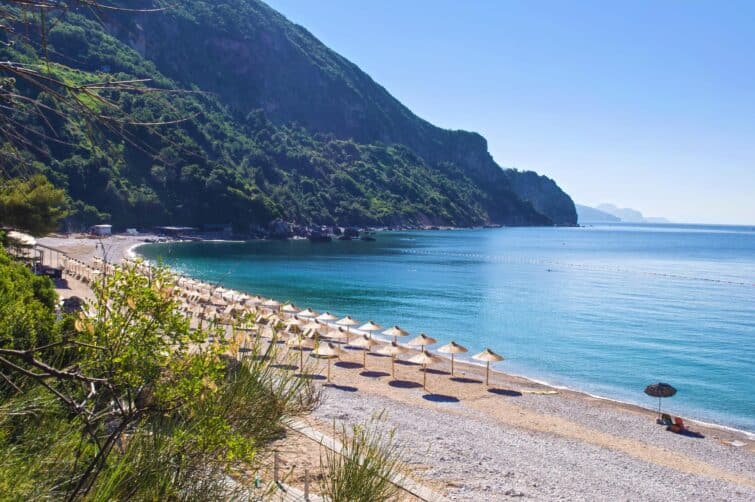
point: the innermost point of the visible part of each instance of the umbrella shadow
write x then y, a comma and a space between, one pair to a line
465, 380
404, 362
344, 388
375, 354
289, 367
404, 384
374, 374
505, 392
310, 376
433, 371
440, 398
347, 364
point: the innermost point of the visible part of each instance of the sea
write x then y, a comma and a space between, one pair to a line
605, 309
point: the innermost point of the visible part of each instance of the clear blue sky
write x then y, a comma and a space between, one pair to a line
644, 104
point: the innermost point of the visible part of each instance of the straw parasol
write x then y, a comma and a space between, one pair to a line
290, 308
660, 390
424, 358
365, 343
327, 351
272, 304
312, 328
393, 349
395, 332
452, 348
370, 327
293, 325
488, 356
338, 333
255, 300
300, 343
347, 322
308, 313
326, 317
421, 341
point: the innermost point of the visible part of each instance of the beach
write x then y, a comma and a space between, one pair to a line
518, 438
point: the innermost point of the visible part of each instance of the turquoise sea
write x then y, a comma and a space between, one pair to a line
604, 309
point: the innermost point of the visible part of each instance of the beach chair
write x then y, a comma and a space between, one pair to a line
665, 420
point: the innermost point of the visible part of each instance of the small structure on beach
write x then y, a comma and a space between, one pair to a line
101, 230
171, 231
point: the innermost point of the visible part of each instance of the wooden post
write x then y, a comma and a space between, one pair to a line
487, 373
424, 376
393, 367
364, 359
306, 484
452, 364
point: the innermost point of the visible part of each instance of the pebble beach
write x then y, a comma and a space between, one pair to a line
517, 438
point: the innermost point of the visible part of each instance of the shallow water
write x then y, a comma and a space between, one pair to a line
605, 309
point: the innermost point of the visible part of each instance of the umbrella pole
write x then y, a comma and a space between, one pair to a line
487, 373
393, 367
301, 359
364, 359
452, 364
328, 370
424, 376
659, 407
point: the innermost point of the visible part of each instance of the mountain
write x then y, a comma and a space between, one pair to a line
586, 214
281, 127
629, 215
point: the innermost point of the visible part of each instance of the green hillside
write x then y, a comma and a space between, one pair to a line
274, 125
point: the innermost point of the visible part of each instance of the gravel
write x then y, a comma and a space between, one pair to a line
479, 459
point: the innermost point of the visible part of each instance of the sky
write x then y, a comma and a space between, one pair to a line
643, 104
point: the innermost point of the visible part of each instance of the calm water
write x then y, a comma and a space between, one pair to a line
605, 309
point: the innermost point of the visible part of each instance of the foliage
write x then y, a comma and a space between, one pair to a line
33, 205
363, 471
218, 157
126, 401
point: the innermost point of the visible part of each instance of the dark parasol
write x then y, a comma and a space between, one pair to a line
660, 390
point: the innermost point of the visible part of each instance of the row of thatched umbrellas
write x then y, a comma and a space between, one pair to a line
310, 323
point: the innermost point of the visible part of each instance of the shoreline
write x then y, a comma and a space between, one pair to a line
603, 438
129, 251
465, 360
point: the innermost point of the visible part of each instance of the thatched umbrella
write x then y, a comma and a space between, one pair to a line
395, 332
660, 390
452, 348
326, 317
365, 343
294, 323
300, 342
421, 341
289, 308
370, 327
393, 349
338, 333
272, 305
327, 351
347, 322
424, 358
488, 356
308, 313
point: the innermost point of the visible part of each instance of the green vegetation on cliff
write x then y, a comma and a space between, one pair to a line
271, 124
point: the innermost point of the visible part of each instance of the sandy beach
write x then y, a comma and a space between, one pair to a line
517, 438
